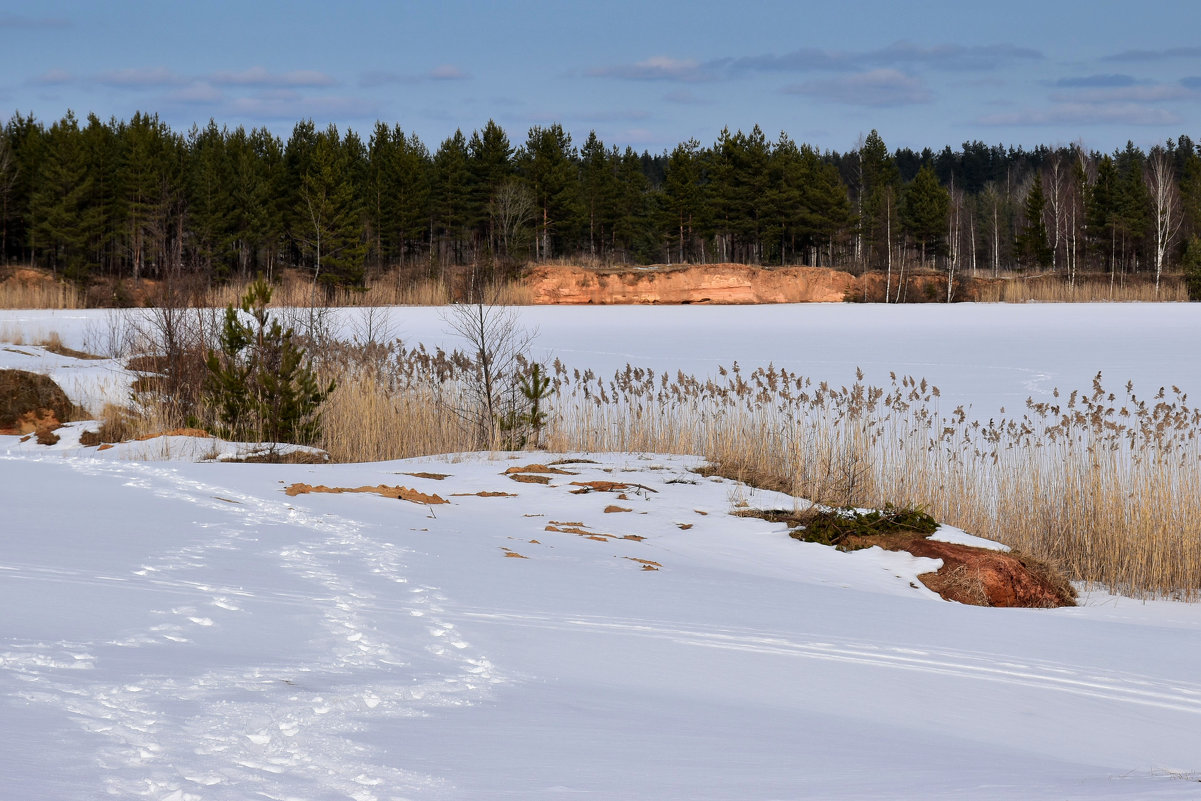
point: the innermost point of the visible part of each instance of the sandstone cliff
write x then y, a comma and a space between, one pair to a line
702, 283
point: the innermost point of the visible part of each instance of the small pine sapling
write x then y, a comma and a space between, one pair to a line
260, 382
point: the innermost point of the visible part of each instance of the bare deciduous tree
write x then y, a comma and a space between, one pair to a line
497, 345
512, 208
1165, 199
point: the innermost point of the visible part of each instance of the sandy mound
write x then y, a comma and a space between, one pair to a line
31, 402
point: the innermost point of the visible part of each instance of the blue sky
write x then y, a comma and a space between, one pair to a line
647, 74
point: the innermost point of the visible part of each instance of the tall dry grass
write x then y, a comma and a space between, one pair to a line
17, 294
1090, 289
1106, 485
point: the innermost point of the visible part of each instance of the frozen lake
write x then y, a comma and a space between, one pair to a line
989, 356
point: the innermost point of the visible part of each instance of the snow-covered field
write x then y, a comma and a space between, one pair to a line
180, 630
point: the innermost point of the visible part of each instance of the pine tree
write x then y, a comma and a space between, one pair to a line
261, 383
1032, 244
548, 165
924, 210
331, 225
62, 220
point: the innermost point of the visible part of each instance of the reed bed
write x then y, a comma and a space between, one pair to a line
1105, 485
1093, 289
17, 294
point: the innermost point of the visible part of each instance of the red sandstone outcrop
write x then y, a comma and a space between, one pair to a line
702, 283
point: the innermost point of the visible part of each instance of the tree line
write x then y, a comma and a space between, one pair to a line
133, 198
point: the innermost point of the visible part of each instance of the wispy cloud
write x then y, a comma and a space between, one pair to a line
262, 77
447, 72
1166, 54
1139, 93
53, 77
149, 77
1091, 81
199, 92
950, 57
443, 72
896, 56
875, 88
1085, 114
656, 68
288, 105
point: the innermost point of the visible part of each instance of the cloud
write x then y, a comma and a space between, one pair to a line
806, 59
1166, 54
900, 54
1085, 114
443, 72
1091, 81
1142, 93
656, 68
260, 76
288, 105
148, 77
446, 72
950, 57
201, 92
54, 77
875, 88
1193, 82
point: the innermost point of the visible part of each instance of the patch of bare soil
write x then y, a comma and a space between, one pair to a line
31, 402
431, 476
483, 494
402, 493
969, 575
529, 479
980, 576
539, 468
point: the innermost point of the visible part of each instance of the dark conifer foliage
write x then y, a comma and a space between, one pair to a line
132, 198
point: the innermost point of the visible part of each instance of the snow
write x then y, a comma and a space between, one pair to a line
987, 355
179, 630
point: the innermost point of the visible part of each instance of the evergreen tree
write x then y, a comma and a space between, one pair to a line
598, 190
924, 210
683, 198
452, 197
1032, 244
331, 227
491, 166
548, 165
63, 222
260, 382
209, 199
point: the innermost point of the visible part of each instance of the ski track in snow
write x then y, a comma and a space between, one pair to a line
1109, 686
274, 732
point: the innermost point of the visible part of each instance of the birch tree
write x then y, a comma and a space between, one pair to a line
1165, 200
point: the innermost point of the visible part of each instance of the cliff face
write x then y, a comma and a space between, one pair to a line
706, 283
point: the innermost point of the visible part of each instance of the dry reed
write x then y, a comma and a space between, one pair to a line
1093, 289
17, 294
1106, 486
